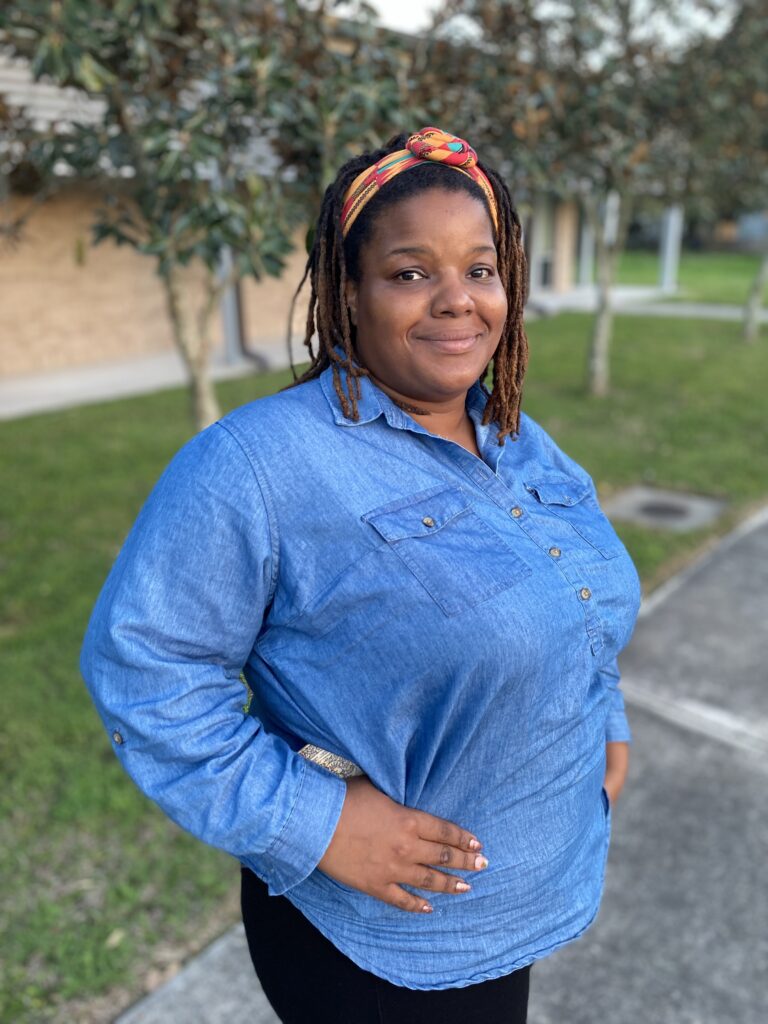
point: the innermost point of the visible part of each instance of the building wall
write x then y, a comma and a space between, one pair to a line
553, 229
265, 305
566, 229
65, 303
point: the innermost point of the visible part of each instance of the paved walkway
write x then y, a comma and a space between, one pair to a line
682, 934
640, 302
44, 392
83, 385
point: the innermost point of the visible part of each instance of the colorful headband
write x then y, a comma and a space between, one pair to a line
428, 144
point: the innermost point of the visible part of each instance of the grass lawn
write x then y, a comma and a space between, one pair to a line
101, 894
723, 277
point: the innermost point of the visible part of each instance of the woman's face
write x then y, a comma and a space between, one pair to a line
430, 306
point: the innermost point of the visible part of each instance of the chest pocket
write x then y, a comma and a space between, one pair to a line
458, 559
573, 500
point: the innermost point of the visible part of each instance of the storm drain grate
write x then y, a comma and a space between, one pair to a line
665, 510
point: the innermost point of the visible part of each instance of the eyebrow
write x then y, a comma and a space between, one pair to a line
407, 250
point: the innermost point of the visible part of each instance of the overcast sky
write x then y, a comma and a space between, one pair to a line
405, 14
415, 14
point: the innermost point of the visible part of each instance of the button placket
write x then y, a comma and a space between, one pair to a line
503, 496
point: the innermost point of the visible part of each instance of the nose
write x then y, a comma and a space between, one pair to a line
452, 297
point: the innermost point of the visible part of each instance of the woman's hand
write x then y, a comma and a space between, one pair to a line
379, 844
616, 767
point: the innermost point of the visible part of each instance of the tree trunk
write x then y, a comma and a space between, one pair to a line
754, 301
600, 343
609, 243
194, 348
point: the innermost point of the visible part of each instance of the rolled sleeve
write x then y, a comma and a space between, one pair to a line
617, 727
304, 837
170, 633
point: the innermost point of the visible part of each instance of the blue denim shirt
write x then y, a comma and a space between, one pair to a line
449, 623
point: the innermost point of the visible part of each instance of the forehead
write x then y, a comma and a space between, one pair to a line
436, 218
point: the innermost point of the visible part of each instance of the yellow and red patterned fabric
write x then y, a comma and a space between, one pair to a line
427, 144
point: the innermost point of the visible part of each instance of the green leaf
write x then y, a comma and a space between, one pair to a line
93, 75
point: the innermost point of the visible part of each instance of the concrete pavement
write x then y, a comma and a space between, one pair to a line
102, 382
682, 933
638, 302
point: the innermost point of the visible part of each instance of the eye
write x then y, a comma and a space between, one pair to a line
481, 273
401, 275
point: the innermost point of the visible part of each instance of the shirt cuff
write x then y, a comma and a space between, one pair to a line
617, 727
307, 831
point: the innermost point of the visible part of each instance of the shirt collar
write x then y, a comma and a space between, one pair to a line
370, 404
373, 402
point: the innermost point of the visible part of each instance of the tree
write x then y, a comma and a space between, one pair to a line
576, 105
188, 86
18, 172
723, 114
340, 84
184, 85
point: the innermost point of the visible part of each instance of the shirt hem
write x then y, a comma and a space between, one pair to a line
456, 982
487, 975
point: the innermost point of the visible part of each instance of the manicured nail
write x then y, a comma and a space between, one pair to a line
481, 862
427, 909
462, 887
474, 844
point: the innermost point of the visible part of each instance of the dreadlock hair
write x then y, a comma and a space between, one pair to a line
333, 260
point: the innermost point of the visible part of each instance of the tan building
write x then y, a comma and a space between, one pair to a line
66, 303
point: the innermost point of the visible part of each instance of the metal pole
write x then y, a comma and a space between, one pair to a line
669, 247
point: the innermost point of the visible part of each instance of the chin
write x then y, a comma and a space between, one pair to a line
446, 387
455, 371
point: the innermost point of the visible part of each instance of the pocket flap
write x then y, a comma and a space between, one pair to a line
418, 516
559, 489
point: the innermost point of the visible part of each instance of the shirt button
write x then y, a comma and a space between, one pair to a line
516, 512
428, 521
117, 737
585, 593
555, 552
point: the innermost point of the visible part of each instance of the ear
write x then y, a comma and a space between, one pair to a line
350, 295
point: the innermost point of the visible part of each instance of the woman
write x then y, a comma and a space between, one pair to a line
428, 619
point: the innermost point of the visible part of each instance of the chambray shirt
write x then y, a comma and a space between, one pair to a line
448, 623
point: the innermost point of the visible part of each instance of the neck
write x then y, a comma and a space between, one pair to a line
447, 418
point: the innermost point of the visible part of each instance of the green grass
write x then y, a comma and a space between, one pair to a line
97, 885
721, 277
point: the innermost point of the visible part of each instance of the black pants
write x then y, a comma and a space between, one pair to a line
306, 978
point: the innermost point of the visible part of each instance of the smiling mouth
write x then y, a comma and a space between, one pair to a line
451, 341
456, 335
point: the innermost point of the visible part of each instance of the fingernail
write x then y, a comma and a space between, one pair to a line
462, 887
481, 862
474, 844
427, 909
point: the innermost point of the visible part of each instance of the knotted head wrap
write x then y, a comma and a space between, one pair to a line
427, 144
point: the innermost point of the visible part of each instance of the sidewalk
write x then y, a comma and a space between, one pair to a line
682, 934
44, 392
637, 302
62, 389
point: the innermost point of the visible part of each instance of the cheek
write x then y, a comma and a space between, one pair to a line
497, 307
391, 313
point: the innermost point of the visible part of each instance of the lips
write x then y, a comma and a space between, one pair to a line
454, 335
450, 342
